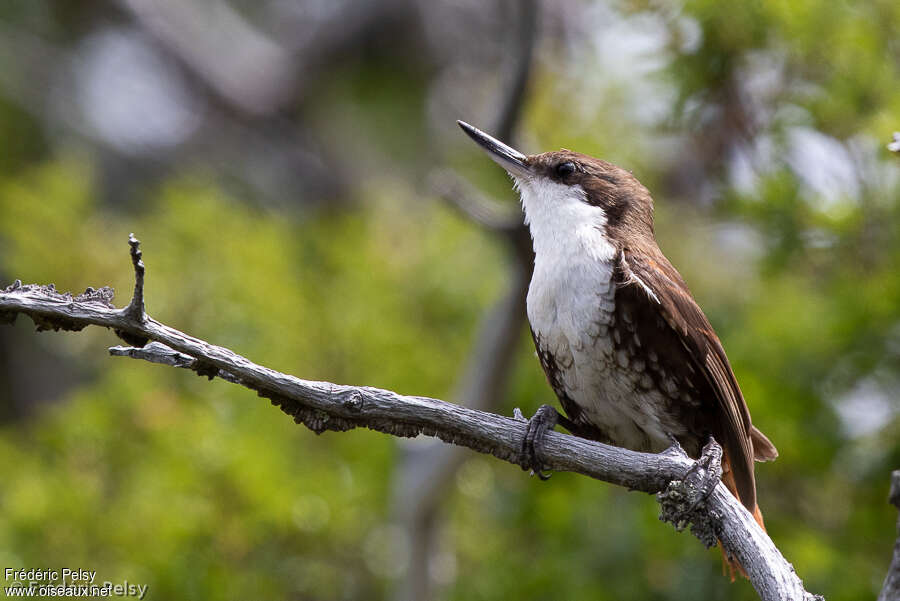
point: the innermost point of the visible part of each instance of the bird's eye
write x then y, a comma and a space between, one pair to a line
564, 169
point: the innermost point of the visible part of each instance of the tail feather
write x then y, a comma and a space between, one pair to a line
763, 449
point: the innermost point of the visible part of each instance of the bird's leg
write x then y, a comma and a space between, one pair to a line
544, 419
705, 474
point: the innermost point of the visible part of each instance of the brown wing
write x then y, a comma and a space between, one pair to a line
686, 338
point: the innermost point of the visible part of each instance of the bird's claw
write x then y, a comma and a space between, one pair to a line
544, 419
706, 473
682, 499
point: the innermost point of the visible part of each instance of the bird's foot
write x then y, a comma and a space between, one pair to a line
532, 459
706, 473
681, 500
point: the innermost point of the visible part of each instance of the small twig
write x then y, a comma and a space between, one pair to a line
134, 312
156, 352
135, 309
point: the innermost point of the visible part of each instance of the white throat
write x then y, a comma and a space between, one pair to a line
564, 227
571, 290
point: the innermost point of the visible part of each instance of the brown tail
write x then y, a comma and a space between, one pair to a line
730, 565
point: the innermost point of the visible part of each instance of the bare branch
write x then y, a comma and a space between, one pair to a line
326, 406
891, 589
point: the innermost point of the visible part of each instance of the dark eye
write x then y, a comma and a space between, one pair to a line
564, 169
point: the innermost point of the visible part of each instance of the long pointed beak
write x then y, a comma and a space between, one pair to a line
506, 156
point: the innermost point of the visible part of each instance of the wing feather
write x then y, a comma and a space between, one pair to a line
658, 283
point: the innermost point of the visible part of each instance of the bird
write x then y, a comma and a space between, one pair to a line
625, 347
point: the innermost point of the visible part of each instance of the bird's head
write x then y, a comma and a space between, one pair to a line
563, 192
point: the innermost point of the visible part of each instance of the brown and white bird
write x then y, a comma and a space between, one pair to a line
628, 351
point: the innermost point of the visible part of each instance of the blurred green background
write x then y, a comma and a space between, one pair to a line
273, 158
